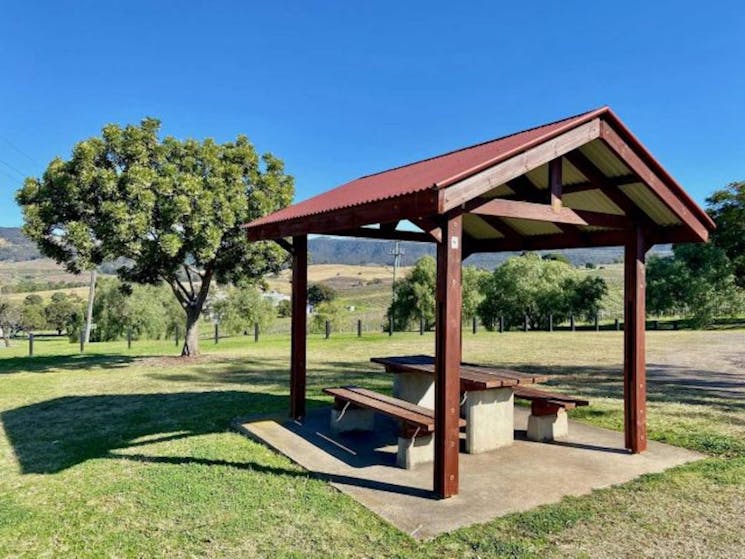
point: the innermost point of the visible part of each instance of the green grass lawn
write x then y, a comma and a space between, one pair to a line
128, 453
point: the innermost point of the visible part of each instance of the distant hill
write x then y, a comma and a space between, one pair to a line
15, 247
337, 250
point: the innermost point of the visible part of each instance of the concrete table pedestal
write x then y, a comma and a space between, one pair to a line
490, 420
417, 388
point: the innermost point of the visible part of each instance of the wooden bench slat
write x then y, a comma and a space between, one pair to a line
393, 410
531, 393
419, 416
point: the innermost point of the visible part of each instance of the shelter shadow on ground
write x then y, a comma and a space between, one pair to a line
517, 478
51, 436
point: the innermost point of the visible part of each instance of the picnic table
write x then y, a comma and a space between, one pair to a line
488, 396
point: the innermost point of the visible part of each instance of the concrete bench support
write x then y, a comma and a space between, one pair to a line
415, 451
545, 428
353, 419
490, 420
417, 388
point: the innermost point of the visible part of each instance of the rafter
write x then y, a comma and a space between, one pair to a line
386, 234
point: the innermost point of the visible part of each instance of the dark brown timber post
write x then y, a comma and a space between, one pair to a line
634, 362
299, 317
447, 358
555, 183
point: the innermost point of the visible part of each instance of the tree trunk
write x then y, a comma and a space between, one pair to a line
191, 339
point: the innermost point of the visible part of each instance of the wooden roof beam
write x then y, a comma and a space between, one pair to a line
501, 208
385, 234
649, 177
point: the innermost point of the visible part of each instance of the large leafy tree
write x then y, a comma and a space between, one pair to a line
171, 209
705, 280
727, 209
414, 295
63, 311
530, 286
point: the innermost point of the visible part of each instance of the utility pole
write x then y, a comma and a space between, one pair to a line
89, 311
397, 252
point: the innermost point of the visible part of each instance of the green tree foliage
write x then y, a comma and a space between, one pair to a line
64, 311
284, 308
727, 209
326, 311
171, 208
10, 318
32, 313
414, 295
320, 293
147, 309
536, 287
241, 308
704, 280
697, 281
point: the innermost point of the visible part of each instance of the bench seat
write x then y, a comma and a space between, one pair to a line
353, 411
548, 419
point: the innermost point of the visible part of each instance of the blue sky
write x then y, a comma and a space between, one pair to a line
341, 89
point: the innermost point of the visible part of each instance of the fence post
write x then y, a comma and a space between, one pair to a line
501, 324
655, 324
390, 325
421, 326
675, 324
30, 344
525, 323
597, 324
129, 338
550, 322
618, 325
359, 328
474, 325
82, 341
217, 332
328, 329
176, 335
256, 332
571, 321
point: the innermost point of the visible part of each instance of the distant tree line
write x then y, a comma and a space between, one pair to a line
527, 286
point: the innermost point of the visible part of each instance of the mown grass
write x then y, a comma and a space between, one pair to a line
128, 453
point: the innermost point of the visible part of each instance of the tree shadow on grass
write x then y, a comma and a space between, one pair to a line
51, 436
665, 384
46, 363
263, 373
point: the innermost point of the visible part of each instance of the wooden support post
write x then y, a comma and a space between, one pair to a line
359, 328
176, 335
501, 324
634, 363
30, 344
421, 326
256, 332
447, 358
390, 325
129, 338
571, 321
550, 322
525, 323
299, 321
474, 325
597, 322
328, 329
82, 341
217, 332
554, 183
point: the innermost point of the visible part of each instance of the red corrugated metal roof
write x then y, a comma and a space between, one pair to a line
435, 172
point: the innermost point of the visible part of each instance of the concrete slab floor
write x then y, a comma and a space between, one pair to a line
511, 479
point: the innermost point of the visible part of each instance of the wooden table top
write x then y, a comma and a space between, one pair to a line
472, 377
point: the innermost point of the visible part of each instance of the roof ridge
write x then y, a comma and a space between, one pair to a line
445, 154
